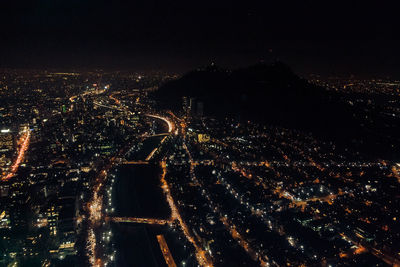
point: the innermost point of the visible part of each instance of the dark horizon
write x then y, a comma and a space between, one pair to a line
311, 38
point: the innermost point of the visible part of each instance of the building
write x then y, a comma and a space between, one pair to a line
7, 149
200, 109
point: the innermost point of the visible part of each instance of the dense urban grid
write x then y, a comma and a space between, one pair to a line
94, 172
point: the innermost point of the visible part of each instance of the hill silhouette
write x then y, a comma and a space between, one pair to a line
275, 95
265, 93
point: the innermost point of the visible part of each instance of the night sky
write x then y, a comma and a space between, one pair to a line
311, 36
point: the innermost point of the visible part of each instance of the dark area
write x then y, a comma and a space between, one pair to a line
274, 94
338, 38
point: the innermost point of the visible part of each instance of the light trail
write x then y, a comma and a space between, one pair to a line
104, 106
180, 122
165, 188
115, 99
151, 154
173, 115
138, 162
91, 247
139, 220
94, 207
169, 260
155, 150
155, 135
170, 124
21, 155
95, 215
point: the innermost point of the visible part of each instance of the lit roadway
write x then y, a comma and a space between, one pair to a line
95, 206
95, 209
155, 150
139, 220
115, 99
165, 251
137, 162
155, 135
24, 141
166, 120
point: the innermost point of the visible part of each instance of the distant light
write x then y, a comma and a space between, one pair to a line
5, 130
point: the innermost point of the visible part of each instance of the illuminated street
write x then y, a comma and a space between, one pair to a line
23, 147
165, 250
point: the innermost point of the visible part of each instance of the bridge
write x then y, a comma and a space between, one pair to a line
137, 162
138, 220
155, 135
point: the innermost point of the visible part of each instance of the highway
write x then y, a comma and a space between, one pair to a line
95, 209
24, 140
169, 260
170, 124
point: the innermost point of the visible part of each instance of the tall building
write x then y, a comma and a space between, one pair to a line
200, 109
185, 104
7, 149
188, 105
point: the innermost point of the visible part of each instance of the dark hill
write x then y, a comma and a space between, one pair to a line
267, 93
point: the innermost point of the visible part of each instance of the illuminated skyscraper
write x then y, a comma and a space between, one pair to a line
7, 144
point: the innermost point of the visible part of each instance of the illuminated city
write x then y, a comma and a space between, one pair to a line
186, 135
